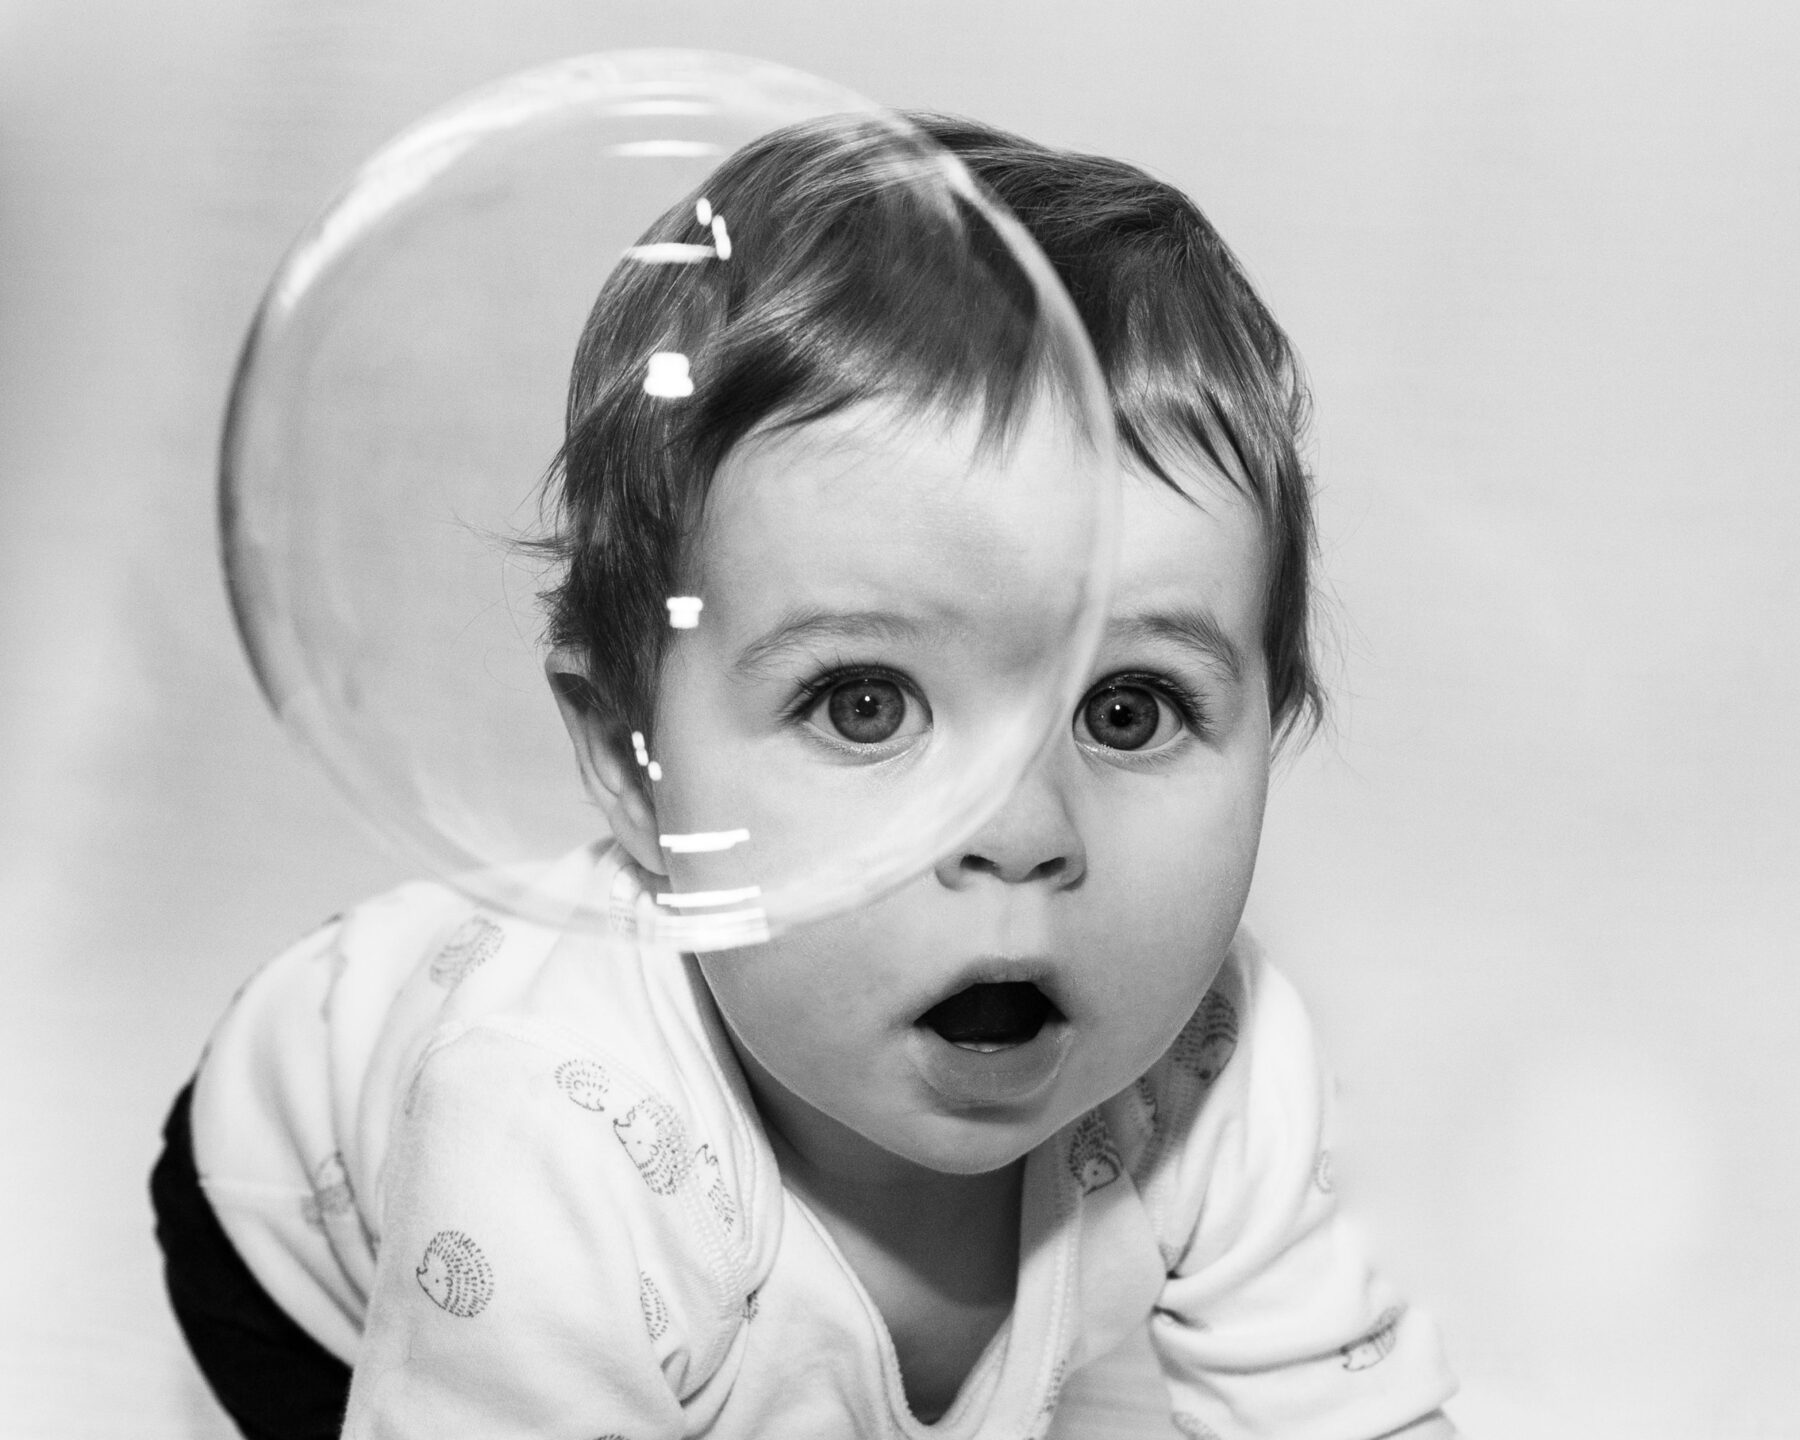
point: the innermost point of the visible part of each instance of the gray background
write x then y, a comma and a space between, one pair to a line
1540, 885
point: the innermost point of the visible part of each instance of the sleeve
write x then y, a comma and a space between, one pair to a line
1272, 1321
512, 1296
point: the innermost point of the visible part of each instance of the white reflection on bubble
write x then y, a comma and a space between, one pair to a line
728, 930
701, 842
667, 376
672, 149
669, 252
661, 107
709, 897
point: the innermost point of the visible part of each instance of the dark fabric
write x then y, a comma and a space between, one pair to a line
274, 1380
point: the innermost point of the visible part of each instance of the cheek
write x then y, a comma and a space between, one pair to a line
796, 995
702, 734
1190, 845
706, 785
1175, 878
1178, 878
695, 788
766, 1013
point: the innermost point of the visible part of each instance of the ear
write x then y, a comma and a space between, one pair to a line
604, 752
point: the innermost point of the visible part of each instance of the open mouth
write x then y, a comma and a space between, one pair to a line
992, 1016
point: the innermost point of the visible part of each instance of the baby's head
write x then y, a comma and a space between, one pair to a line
852, 378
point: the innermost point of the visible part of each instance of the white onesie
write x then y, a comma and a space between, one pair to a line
515, 1176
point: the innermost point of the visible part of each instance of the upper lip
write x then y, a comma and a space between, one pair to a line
1038, 970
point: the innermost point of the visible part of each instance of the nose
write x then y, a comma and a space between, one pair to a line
1033, 838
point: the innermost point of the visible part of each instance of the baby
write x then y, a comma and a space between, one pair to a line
882, 1175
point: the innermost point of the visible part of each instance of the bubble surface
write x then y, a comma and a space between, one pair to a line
831, 531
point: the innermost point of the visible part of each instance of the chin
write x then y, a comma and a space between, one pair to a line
977, 1145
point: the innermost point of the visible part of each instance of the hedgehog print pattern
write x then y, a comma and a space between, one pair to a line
1092, 1159
1209, 1039
331, 1195
1377, 1345
752, 1304
656, 1141
470, 946
655, 1308
712, 1178
1193, 1427
584, 1082
455, 1275
1147, 1106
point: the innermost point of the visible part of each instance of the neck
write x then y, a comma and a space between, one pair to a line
937, 1252
939, 1255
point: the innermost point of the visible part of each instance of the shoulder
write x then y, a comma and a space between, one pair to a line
1239, 1103
295, 1038
547, 1238
551, 1132
1271, 1308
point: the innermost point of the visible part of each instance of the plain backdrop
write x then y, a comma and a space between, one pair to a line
1541, 881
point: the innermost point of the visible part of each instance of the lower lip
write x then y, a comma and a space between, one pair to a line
980, 1079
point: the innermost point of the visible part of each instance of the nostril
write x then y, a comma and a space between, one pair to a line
1044, 870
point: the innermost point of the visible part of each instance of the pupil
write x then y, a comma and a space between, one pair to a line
867, 711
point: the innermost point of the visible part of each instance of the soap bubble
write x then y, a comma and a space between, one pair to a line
812, 685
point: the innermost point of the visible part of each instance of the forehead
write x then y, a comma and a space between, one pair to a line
1201, 542
874, 509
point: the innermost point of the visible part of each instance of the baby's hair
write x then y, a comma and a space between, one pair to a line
842, 287
1196, 366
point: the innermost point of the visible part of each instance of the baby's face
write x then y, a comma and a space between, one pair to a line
1052, 958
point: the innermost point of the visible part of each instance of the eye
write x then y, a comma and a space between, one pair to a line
1129, 717
867, 710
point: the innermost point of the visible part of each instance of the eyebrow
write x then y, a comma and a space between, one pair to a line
809, 627
1193, 629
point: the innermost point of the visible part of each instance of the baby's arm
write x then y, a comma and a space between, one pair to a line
507, 1298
